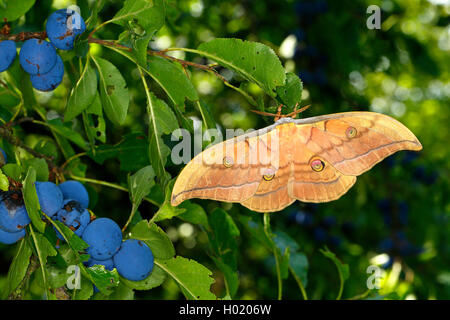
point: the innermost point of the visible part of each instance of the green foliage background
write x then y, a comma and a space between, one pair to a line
401, 70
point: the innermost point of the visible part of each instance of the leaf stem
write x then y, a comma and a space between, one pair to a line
275, 253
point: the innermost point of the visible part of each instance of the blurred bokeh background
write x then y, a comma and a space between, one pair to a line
397, 216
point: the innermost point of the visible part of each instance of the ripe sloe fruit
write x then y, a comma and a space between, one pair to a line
50, 80
13, 217
8, 53
73, 215
75, 190
50, 197
37, 56
104, 238
11, 237
63, 26
134, 261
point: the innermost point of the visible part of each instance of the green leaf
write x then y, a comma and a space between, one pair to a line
343, 269
83, 94
207, 116
173, 80
162, 121
4, 182
155, 238
94, 122
66, 131
140, 184
122, 292
113, 91
76, 243
193, 278
223, 239
18, 268
41, 167
254, 61
13, 10
104, 280
166, 210
155, 279
194, 214
31, 200
86, 291
149, 15
291, 93
12, 170
132, 152
44, 247
298, 262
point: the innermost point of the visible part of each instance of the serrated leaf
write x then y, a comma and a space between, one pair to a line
193, 278
254, 61
18, 268
155, 279
31, 200
13, 10
155, 238
113, 91
291, 93
82, 94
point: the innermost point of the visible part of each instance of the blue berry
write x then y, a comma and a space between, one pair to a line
73, 215
104, 238
37, 56
13, 217
11, 237
50, 197
134, 261
8, 53
50, 80
75, 190
63, 26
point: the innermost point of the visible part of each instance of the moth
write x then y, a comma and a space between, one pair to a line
314, 159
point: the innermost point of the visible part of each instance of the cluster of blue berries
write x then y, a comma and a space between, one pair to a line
68, 203
38, 57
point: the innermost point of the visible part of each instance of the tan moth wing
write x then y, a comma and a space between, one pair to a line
312, 160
